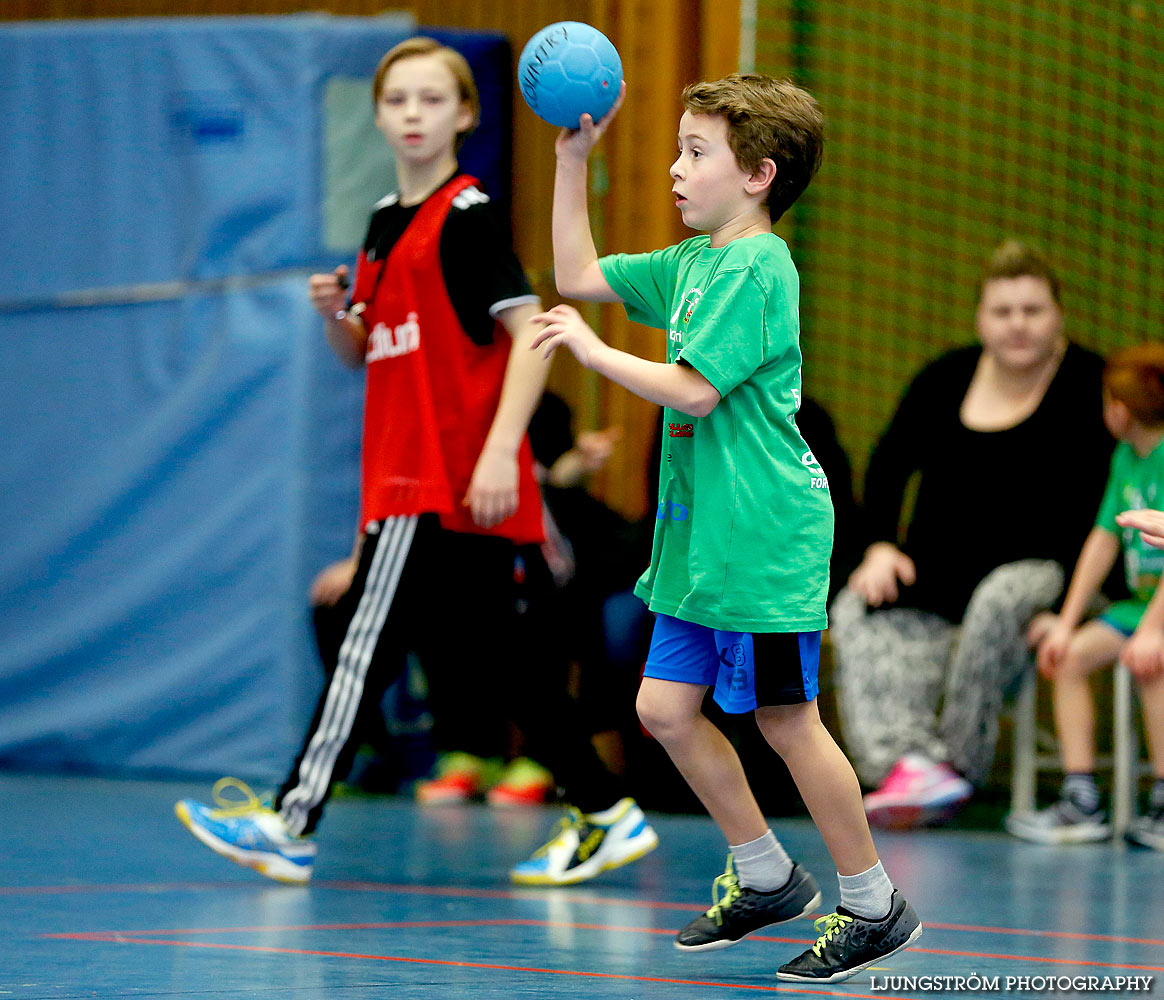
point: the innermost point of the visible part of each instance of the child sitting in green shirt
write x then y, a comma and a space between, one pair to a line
739, 567
1130, 632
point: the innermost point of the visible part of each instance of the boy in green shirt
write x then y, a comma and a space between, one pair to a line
739, 567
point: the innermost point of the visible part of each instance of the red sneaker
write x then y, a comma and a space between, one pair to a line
525, 783
459, 777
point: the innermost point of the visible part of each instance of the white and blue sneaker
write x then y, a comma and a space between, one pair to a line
585, 845
248, 832
1063, 823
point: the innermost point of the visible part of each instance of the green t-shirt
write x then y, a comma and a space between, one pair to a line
1134, 482
744, 524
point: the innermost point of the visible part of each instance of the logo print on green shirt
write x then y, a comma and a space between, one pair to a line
672, 510
690, 299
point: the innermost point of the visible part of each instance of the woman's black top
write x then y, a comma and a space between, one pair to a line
986, 498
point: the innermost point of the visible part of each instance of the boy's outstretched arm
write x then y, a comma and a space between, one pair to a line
492, 495
576, 270
678, 386
1095, 562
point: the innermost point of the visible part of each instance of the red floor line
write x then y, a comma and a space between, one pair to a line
377, 926
569, 895
583, 897
502, 968
1069, 935
526, 894
138, 937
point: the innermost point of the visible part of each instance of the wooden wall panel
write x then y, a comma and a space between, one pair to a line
45, 10
719, 39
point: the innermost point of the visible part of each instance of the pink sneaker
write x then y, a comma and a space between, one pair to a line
917, 792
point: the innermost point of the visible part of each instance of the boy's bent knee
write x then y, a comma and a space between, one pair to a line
786, 726
661, 716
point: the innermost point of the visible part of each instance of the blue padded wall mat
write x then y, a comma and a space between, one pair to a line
180, 449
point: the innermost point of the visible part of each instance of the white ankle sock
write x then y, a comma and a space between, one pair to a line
869, 894
762, 864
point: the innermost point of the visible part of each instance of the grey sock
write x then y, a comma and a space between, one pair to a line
869, 894
762, 864
1080, 789
1156, 795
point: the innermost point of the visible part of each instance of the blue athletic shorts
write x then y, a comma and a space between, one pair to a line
1124, 616
1117, 623
747, 669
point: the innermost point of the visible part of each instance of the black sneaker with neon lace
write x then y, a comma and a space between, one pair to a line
741, 910
849, 943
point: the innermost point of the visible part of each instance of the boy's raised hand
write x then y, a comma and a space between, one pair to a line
564, 326
576, 143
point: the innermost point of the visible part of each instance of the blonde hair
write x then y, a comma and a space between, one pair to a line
456, 63
768, 119
1016, 259
1135, 377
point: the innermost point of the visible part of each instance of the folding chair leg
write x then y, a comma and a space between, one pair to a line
1126, 751
1022, 782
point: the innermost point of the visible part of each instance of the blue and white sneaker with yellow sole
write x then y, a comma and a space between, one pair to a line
248, 832
585, 845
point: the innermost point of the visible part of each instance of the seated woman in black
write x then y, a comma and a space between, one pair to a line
1009, 442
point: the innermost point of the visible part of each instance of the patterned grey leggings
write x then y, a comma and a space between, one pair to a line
909, 680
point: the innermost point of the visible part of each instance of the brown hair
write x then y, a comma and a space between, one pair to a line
766, 119
1016, 259
456, 63
1135, 377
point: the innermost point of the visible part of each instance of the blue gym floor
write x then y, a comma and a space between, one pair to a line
104, 894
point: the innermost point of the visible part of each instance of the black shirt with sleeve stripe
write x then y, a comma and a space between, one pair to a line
481, 270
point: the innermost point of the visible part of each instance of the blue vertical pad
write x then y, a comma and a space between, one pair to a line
180, 449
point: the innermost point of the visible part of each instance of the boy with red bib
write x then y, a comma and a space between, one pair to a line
440, 317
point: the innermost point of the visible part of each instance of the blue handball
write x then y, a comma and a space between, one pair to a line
569, 69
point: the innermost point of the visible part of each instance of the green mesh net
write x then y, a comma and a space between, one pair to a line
952, 126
